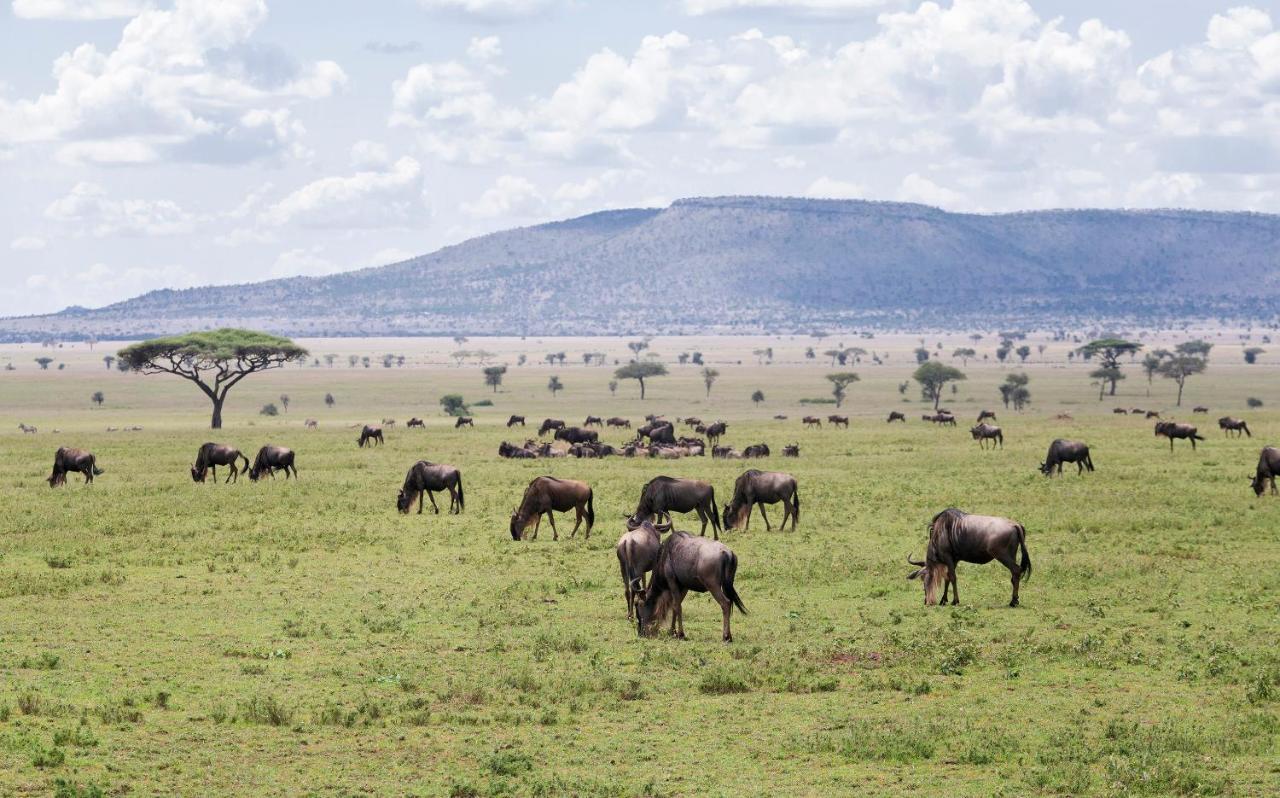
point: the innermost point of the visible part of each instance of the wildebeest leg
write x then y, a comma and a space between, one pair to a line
432, 497
726, 608
702, 516
453, 501
767, 526
422, 495
677, 610
1193, 442
1007, 559
551, 519
955, 586
577, 521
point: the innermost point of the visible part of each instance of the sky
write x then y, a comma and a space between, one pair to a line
149, 143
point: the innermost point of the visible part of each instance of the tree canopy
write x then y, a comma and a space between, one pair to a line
640, 371
214, 360
839, 382
932, 376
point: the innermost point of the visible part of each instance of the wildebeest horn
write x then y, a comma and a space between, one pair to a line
913, 562
664, 527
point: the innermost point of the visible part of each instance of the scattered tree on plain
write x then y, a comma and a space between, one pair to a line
933, 376
109, 360
613, 387
269, 409
493, 376
1187, 359
964, 353
1014, 391
284, 402
922, 354
329, 400
554, 385
453, 405
1023, 353
757, 397
709, 376
98, 398
640, 371
44, 362
1108, 351
840, 382
1251, 354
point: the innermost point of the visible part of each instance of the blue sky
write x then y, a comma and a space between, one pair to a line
151, 143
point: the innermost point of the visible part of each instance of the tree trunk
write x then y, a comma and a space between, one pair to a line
642, 389
937, 397
216, 423
1113, 387
1180, 384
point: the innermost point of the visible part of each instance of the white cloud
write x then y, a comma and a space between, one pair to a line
27, 244
101, 284
484, 48
490, 10
369, 155
388, 197
303, 262
806, 7
829, 188
87, 208
78, 9
510, 196
916, 188
789, 162
181, 84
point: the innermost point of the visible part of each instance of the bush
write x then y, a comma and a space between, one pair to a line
1254, 402
269, 409
483, 403
69, 789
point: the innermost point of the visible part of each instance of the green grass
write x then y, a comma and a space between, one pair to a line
159, 637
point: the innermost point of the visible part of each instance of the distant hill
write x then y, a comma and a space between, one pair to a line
756, 264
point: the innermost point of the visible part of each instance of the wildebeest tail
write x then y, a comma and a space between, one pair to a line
795, 507
728, 568
462, 502
93, 464
246, 463
1197, 436
1088, 461
591, 508
1025, 565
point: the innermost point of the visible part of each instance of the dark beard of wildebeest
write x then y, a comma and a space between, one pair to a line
271, 459
212, 455
1228, 424
637, 551
1268, 468
688, 563
714, 431
838, 421
577, 435
78, 460
546, 495
956, 537
894, 415
984, 415
511, 422
550, 424
426, 478
664, 495
619, 422
1174, 429
987, 432
1065, 451
371, 434
464, 421
760, 488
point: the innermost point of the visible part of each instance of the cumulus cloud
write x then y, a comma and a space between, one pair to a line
101, 284
830, 188
303, 262
27, 244
88, 209
490, 10
389, 197
79, 10
510, 196
183, 84
824, 8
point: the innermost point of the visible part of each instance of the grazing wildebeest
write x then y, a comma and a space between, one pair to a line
1120, 411
577, 435
791, 450
593, 421
760, 488
511, 422
1268, 468
417, 422
271, 459
517, 452
688, 563
1152, 414
894, 415
658, 432
838, 421
692, 421
550, 424
426, 478
984, 415
1064, 417
388, 422
371, 434
987, 432
756, 450
1136, 411
1174, 429
811, 421
547, 494
940, 419
955, 537
78, 460
1065, 451
780, 417
619, 422
664, 495
311, 423
1199, 409
465, 421
26, 429
714, 431
212, 455
637, 551
1228, 424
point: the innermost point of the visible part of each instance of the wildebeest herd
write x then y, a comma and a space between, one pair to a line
683, 562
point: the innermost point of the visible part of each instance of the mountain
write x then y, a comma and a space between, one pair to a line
756, 264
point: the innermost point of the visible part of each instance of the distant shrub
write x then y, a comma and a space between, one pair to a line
483, 403
265, 710
269, 409
1253, 402
722, 682
819, 401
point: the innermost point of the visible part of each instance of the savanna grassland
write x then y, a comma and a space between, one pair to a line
159, 637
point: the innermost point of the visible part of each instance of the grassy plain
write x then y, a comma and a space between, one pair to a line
159, 637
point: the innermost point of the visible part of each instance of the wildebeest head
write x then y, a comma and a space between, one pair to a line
930, 576
197, 474
731, 517
1258, 484
404, 500
651, 608
517, 524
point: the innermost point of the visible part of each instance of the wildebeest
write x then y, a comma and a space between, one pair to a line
619, 422
987, 432
79, 460
940, 419
271, 459
212, 455
1174, 429
426, 478
311, 423
1065, 451
780, 417
1152, 414
955, 537
371, 434
692, 421
688, 563
1136, 411
637, 551
547, 494
388, 422
725, 453
1199, 409
754, 488
714, 431
894, 415
756, 450
464, 421
838, 421
511, 422
811, 421
984, 415
516, 452
1228, 424
658, 432
593, 421
791, 450
550, 424
1120, 411
664, 495
26, 429
577, 435
417, 422
1268, 468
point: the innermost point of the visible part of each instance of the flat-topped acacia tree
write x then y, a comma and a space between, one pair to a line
214, 360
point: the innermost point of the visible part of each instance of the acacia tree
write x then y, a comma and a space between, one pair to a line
1151, 365
1251, 354
109, 360
1108, 352
932, 376
98, 398
215, 360
839, 382
757, 397
44, 362
329, 400
640, 371
493, 376
284, 401
709, 376
554, 385
1188, 359
964, 353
